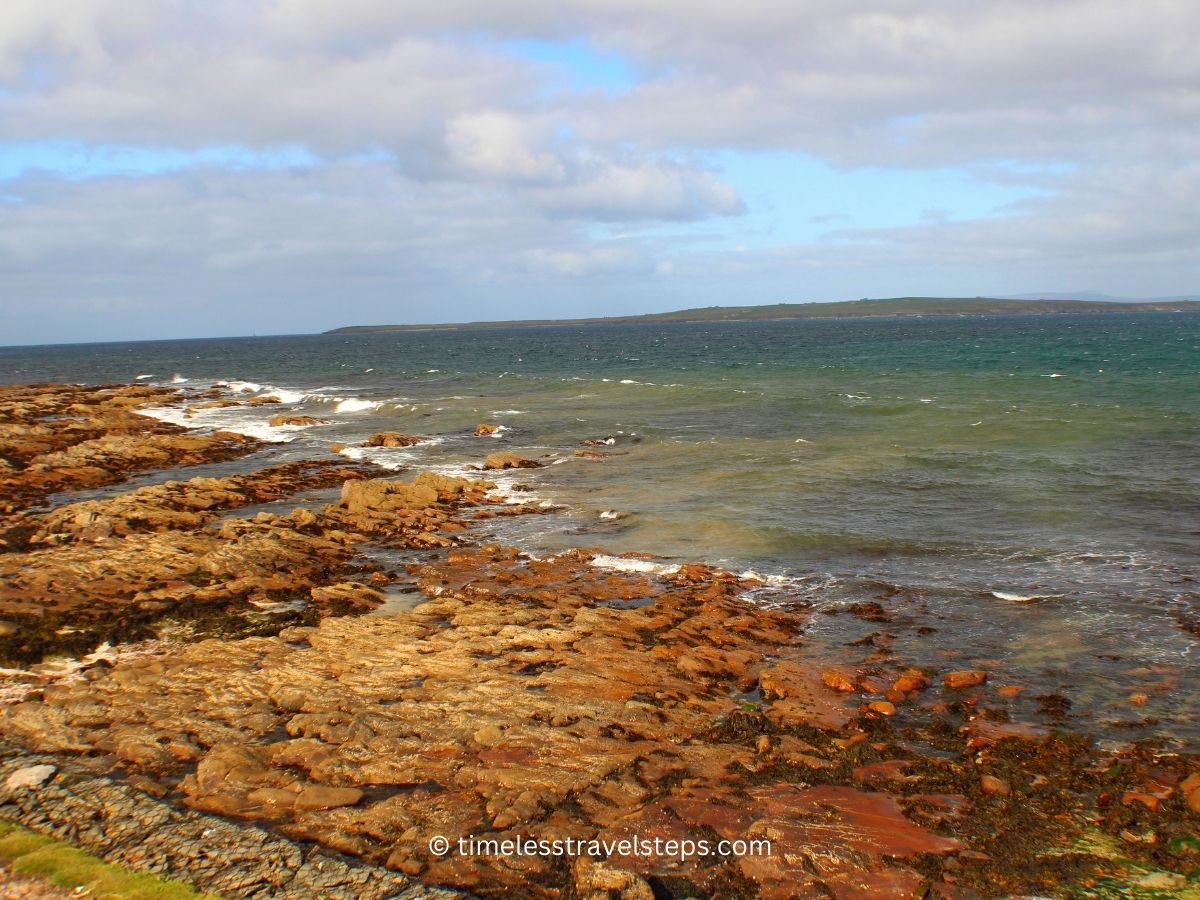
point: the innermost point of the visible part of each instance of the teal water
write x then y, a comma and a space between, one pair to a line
933, 461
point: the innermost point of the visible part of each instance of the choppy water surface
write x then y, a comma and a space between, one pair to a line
949, 465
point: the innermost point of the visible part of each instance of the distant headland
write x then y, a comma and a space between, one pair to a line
849, 309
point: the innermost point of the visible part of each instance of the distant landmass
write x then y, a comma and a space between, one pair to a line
849, 309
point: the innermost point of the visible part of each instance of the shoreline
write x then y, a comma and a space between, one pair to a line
552, 698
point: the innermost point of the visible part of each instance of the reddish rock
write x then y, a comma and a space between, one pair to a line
281, 420
484, 429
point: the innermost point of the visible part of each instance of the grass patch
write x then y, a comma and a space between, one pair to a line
26, 853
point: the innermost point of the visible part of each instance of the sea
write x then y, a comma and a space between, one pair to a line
1019, 493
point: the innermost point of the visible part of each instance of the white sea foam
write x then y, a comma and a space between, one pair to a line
177, 379
142, 377
623, 564
508, 412
611, 514
223, 420
241, 387
1023, 598
354, 404
283, 395
772, 580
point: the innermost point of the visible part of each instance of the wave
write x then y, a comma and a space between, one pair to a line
626, 564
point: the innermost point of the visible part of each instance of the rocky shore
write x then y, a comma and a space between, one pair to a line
245, 704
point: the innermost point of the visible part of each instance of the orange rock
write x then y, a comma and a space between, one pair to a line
1193, 801
966, 679
882, 707
838, 680
485, 428
1138, 699
909, 681
1010, 691
1148, 800
853, 740
281, 420
992, 785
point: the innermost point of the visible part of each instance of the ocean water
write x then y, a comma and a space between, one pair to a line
944, 466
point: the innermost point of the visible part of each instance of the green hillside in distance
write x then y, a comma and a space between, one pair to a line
850, 309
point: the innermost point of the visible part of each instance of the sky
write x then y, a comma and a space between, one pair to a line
188, 168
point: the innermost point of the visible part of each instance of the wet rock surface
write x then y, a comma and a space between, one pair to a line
124, 825
64, 437
544, 700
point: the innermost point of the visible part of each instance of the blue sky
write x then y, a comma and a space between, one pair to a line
255, 167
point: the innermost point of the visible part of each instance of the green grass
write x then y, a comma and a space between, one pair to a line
69, 868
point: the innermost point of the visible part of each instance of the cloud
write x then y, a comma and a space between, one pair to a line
441, 165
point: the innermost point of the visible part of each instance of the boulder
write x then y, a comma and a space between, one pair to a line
393, 439
505, 460
483, 429
281, 420
961, 680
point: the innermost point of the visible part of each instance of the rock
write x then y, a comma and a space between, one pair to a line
994, 786
29, 777
1192, 800
838, 680
909, 681
336, 447
1138, 699
882, 707
505, 460
600, 881
1147, 800
484, 429
590, 454
281, 420
394, 439
961, 680
316, 797
348, 595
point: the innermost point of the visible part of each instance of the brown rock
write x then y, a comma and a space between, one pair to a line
281, 420
505, 460
485, 428
600, 881
394, 439
962, 680
882, 707
316, 797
